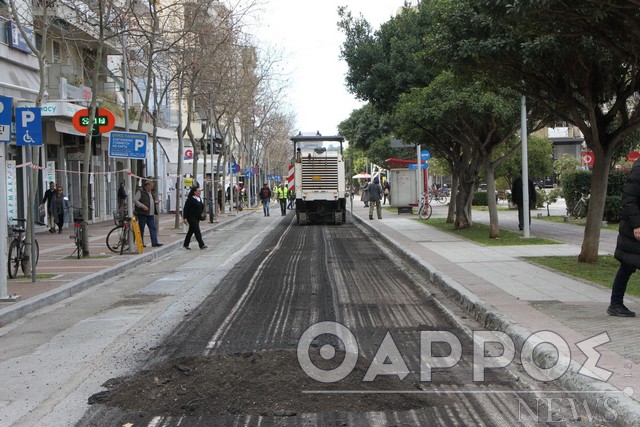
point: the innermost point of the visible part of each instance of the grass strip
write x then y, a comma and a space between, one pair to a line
479, 233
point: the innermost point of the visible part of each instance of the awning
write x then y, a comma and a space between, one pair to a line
67, 128
401, 163
18, 82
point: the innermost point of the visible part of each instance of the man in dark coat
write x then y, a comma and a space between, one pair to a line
375, 195
192, 214
516, 197
47, 200
628, 245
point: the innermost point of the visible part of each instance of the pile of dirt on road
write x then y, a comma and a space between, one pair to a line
267, 383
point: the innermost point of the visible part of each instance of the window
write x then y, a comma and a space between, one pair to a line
39, 41
56, 52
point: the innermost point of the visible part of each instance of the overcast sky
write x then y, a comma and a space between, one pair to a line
307, 34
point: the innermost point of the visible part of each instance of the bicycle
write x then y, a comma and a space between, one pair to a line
78, 233
424, 210
253, 202
579, 208
17, 256
438, 196
118, 237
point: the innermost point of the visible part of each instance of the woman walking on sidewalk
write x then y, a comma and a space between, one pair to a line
628, 244
192, 213
60, 208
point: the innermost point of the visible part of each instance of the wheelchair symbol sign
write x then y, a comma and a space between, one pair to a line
28, 126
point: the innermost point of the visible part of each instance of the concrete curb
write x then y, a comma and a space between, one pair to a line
627, 409
20, 309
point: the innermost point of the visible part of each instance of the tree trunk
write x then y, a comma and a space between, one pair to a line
494, 226
599, 180
451, 214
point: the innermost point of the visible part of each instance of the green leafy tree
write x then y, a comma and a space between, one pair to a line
464, 122
539, 160
576, 58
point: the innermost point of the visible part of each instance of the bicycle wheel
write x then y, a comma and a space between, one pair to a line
79, 242
425, 211
582, 210
25, 270
113, 239
14, 259
577, 209
124, 239
442, 199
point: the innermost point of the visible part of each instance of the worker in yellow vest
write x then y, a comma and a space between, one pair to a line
283, 195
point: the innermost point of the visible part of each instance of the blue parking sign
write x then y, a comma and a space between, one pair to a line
5, 118
5, 110
28, 126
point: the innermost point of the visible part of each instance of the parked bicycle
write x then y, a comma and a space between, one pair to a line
424, 209
118, 237
78, 233
438, 196
18, 257
579, 208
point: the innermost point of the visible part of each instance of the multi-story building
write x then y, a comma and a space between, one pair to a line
70, 52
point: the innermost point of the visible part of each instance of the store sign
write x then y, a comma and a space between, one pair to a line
12, 191
16, 40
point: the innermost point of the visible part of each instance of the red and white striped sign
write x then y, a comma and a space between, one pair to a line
290, 183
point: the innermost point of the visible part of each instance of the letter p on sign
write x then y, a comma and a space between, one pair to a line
28, 116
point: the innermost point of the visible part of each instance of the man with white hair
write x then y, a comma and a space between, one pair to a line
145, 210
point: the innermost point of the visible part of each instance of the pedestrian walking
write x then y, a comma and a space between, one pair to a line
387, 192
192, 213
628, 244
364, 195
265, 198
60, 208
375, 195
283, 194
516, 197
122, 196
292, 198
145, 210
220, 200
47, 201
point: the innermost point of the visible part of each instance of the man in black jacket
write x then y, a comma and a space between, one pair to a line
516, 197
48, 200
628, 244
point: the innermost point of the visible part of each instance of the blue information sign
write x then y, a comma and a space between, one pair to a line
128, 145
28, 126
425, 155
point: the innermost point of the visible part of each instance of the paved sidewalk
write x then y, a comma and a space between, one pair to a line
60, 274
506, 293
